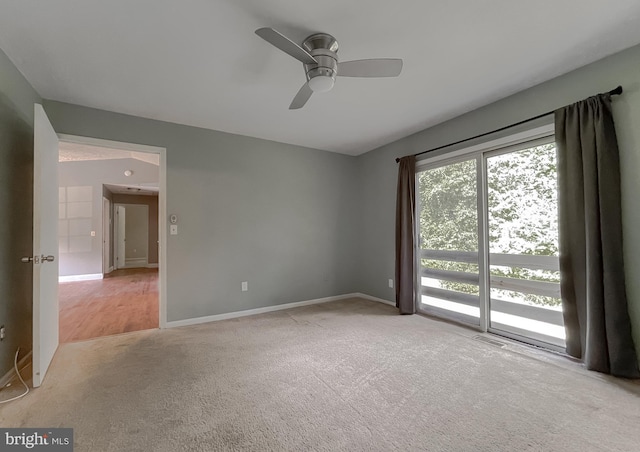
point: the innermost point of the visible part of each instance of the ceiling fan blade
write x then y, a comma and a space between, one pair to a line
301, 98
381, 67
285, 44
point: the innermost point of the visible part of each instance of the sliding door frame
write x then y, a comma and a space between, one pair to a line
425, 165
480, 153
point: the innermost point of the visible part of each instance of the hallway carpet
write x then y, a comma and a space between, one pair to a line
341, 376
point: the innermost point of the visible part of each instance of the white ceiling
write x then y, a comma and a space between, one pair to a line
198, 62
143, 189
75, 152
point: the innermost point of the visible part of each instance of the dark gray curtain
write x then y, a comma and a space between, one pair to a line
405, 235
592, 279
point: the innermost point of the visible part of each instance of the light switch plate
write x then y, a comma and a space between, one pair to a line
245, 286
173, 229
391, 283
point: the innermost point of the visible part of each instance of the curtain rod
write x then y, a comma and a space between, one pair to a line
614, 92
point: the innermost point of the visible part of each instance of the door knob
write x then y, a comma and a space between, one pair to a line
34, 259
44, 258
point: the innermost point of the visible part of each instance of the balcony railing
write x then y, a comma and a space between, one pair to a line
528, 312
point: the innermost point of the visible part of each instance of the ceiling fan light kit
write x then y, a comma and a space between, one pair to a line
319, 56
321, 83
321, 76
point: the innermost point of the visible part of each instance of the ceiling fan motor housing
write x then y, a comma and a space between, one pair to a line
323, 47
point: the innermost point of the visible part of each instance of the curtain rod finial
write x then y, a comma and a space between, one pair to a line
616, 91
397, 160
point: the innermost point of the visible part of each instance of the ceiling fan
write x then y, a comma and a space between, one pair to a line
319, 55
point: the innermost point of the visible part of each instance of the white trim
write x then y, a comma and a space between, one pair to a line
118, 234
278, 307
517, 138
120, 145
484, 269
110, 270
370, 298
22, 364
162, 204
162, 238
73, 278
106, 233
152, 265
417, 248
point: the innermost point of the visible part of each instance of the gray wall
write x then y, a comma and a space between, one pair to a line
16, 196
80, 253
152, 203
278, 216
377, 169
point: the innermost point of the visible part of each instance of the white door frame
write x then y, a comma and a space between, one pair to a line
162, 205
106, 236
119, 237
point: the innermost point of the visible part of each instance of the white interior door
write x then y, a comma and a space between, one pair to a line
106, 226
121, 237
45, 245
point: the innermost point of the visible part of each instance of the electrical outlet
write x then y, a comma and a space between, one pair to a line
245, 286
391, 283
2, 333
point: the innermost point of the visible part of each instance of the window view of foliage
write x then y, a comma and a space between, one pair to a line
523, 214
449, 217
448, 201
522, 201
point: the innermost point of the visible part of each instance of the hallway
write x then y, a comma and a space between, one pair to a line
125, 300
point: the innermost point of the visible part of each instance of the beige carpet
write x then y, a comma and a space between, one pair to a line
349, 375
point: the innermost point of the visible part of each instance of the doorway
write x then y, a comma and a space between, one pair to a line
131, 233
105, 288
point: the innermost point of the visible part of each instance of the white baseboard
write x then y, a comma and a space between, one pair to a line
72, 278
379, 300
236, 314
279, 307
22, 363
109, 270
152, 265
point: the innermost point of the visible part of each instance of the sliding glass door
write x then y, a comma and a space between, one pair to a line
522, 208
448, 222
488, 234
